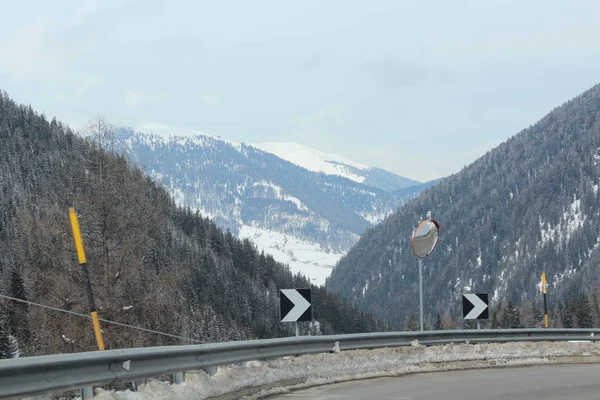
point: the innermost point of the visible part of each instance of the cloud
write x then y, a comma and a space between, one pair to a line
84, 10
422, 163
133, 99
87, 10
321, 119
210, 100
86, 81
399, 73
313, 62
26, 52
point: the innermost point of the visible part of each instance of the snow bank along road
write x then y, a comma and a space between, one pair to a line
319, 369
573, 382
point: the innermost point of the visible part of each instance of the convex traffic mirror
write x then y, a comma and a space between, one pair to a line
425, 238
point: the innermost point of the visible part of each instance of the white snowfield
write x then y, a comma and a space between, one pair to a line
315, 160
307, 258
321, 369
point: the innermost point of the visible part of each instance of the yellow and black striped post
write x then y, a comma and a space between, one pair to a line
83, 263
544, 289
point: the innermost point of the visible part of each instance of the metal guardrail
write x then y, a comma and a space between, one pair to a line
47, 374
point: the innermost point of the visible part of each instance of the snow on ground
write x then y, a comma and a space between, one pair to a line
573, 219
375, 217
314, 160
328, 368
302, 256
278, 192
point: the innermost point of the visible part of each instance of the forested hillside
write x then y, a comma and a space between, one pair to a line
529, 205
152, 263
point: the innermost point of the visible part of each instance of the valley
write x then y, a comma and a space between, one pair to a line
306, 208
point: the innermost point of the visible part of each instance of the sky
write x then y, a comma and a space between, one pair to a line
420, 88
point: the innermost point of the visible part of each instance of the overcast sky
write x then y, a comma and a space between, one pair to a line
386, 83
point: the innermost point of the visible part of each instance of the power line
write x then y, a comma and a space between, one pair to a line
101, 319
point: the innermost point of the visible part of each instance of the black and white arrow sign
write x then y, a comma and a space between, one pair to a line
294, 305
475, 306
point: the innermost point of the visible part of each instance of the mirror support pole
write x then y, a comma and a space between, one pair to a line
421, 294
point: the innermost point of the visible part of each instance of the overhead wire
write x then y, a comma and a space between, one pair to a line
101, 319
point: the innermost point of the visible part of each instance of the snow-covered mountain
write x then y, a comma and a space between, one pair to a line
333, 164
302, 217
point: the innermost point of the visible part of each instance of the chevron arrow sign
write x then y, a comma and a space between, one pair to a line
475, 306
294, 305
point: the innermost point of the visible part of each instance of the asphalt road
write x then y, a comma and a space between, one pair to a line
574, 382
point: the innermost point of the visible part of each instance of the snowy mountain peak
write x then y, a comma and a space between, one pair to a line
167, 133
315, 160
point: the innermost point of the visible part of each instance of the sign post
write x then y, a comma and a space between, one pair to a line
421, 294
424, 239
295, 306
83, 263
544, 290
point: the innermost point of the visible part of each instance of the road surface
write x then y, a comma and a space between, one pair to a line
573, 382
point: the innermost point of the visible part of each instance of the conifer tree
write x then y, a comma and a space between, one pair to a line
6, 341
584, 311
411, 323
511, 317
439, 326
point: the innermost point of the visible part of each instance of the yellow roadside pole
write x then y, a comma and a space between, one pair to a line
82, 262
544, 290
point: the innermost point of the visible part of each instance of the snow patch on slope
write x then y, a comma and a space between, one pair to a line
302, 256
573, 219
375, 216
279, 194
315, 160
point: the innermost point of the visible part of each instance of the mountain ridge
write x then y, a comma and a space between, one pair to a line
333, 164
528, 205
259, 194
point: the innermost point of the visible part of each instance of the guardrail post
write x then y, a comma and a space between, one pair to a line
87, 393
211, 371
178, 377
336, 347
137, 384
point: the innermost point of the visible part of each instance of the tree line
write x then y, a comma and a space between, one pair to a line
580, 311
